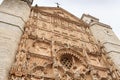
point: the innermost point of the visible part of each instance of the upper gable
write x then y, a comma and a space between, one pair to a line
58, 11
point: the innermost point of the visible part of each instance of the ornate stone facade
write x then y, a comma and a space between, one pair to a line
56, 45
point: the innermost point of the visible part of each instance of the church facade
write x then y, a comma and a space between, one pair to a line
56, 45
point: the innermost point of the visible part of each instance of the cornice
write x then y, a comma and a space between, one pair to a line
87, 15
41, 8
55, 8
101, 24
111, 43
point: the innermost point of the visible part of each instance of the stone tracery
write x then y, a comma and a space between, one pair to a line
64, 51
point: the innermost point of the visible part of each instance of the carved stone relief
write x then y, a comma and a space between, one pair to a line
59, 49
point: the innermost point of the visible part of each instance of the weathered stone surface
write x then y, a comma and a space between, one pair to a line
9, 38
106, 36
17, 8
13, 15
63, 46
55, 45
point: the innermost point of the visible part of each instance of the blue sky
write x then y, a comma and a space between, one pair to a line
108, 11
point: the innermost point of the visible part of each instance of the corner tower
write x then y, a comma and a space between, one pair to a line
106, 36
13, 15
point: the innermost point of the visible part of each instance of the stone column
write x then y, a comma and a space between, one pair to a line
13, 15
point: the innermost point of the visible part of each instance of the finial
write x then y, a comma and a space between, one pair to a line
58, 5
36, 5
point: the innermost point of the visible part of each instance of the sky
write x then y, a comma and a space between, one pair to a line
108, 11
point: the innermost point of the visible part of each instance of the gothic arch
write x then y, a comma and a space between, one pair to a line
68, 51
37, 68
69, 58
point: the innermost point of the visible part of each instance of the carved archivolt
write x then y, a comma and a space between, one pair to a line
68, 51
70, 64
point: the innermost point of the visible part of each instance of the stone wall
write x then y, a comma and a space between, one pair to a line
13, 15
106, 36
